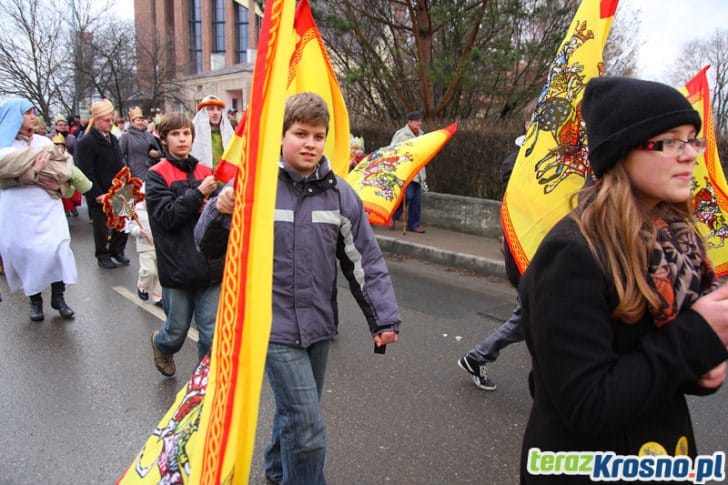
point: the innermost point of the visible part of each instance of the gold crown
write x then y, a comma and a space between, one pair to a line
135, 112
58, 139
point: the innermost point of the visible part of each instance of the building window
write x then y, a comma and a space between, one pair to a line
196, 34
218, 26
241, 34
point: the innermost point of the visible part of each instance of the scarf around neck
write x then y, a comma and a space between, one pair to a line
678, 269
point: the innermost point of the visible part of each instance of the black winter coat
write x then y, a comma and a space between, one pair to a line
174, 205
99, 160
600, 384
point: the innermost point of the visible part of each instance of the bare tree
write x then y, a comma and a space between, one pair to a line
623, 44
31, 54
108, 63
158, 75
52, 56
694, 56
453, 59
105, 58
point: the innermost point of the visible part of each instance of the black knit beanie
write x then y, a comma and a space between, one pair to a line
620, 113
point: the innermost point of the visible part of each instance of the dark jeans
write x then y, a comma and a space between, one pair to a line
108, 241
297, 450
412, 197
508, 333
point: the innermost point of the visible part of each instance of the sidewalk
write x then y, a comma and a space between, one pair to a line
458, 250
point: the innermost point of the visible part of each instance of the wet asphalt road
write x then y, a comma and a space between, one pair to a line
80, 397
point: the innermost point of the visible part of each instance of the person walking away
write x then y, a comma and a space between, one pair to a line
413, 192
622, 311
325, 218
34, 237
510, 331
177, 190
98, 155
213, 131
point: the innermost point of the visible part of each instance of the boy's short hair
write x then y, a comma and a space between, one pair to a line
173, 121
306, 108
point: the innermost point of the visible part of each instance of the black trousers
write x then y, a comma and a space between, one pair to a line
108, 241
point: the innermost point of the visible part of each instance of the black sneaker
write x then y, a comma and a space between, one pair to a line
106, 263
121, 259
477, 370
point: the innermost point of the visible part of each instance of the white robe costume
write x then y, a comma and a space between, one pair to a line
35, 243
202, 145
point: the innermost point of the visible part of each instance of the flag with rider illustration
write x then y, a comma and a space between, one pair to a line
309, 70
381, 177
208, 434
552, 163
709, 189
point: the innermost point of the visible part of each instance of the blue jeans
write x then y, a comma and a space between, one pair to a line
508, 333
297, 450
412, 197
179, 305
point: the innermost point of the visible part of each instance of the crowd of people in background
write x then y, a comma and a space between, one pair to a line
95, 149
632, 321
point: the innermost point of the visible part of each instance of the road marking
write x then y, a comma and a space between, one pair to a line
193, 334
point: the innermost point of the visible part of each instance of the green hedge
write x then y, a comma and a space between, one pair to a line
470, 163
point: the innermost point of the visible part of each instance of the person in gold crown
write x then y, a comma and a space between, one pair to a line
139, 147
213, 131
59, 141
60, 125
357, 151
98, 155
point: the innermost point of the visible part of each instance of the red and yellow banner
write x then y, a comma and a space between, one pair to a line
710, 202
309, 70
553, 161
381, 177
207, 436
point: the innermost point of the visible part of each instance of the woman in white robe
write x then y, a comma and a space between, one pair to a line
34, 236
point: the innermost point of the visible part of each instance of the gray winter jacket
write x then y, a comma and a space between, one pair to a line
317, 220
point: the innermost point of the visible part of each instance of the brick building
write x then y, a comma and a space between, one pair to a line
207, 46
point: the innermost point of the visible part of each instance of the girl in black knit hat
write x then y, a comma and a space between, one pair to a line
621, 310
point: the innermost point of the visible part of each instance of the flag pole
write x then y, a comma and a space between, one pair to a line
405, 214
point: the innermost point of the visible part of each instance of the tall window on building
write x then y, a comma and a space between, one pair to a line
218, 26
196, 34
241, 34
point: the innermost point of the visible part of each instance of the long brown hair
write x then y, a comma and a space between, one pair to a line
621, 234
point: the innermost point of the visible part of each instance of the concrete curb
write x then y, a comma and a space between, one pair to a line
469, 262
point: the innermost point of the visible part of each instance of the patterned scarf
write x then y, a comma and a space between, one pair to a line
678, 269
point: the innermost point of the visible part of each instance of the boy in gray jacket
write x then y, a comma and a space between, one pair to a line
318, 219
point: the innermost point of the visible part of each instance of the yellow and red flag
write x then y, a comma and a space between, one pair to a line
553, 163
309, 70
207, 436
381, 177
710, 199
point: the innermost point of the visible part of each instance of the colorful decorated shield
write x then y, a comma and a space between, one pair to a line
118, 202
